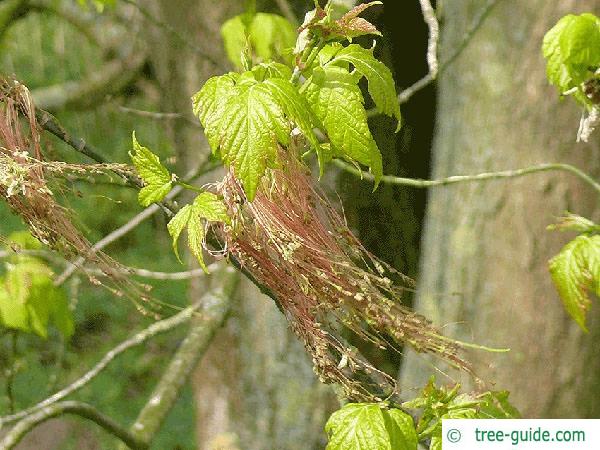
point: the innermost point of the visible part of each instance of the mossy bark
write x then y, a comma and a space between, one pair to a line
484, 274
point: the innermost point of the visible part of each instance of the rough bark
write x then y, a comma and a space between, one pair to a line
484, 267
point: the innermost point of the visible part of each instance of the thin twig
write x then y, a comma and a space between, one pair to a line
139, 338
170, 276
108, 79
51, 124
407, 93
113, 236
434, 36
167, 27
477, 22
73, 14
418, 183
14, 436
130, 225
159, 115
215, 305
156, 275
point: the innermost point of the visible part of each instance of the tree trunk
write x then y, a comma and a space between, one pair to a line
485, 248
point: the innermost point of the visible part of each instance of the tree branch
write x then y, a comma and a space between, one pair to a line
159, 115
14, 436
49, 123
418, 183
434, 36
130, 225
165, 26
10, 11
72, 14
214, 308
139, 338
407, 93
108, 79
373, 378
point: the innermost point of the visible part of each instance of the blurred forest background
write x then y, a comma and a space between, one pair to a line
479, 251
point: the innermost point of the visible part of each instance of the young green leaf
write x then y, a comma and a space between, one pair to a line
176, 226
573, 222
256, 115
206, 207
209, 103
350, 25
335, 97
157, 179
322, 24
29, 301
272, 69
358, 426
269, 36
210, 207
195, 230
572, 50
380, 81
580, 40
437, 403
575, 270
253, 123
298, 110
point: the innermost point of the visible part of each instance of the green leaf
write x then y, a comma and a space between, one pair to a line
233, 32
575, 270
272, 69
252, 125
436, 442
210, 207
24, 240
439, 403
248, 124
176, 226
380, 81
269, 36
13, 311
206, 206
572, 50
404, 436
29, 301
580, 40
196, 238
209, 103
495, 405
157, 179
359, 426
298, 110
556, 71
336, 99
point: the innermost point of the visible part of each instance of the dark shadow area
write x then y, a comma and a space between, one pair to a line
389, 221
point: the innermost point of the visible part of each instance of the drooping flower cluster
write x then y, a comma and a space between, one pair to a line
293, 242
25, 188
